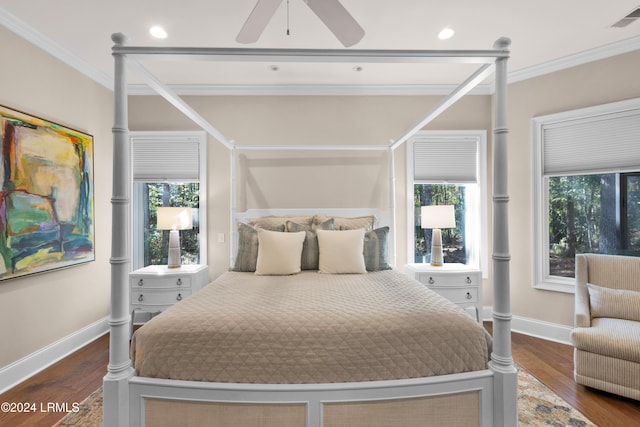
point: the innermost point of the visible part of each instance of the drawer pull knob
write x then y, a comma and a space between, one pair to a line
179, 297
140, 298
431, 281
179, 282
469, 295
468, 279
140, 282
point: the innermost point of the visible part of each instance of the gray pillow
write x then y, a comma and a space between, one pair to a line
375, 249
310, 251
247, 255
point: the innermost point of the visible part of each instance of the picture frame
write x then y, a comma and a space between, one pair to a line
47, 218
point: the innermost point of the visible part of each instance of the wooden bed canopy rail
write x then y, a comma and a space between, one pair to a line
123, 390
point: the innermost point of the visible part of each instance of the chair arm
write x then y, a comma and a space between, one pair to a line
582, 314
582, 318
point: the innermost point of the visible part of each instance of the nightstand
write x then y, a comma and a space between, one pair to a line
156, 287
458, 283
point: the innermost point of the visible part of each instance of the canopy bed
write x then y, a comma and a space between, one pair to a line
367, 386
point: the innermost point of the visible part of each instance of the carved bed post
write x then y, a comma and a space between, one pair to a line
392, 206
116, 388
506, 380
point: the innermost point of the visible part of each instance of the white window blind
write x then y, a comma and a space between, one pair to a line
155, 160
446, 160
592, 144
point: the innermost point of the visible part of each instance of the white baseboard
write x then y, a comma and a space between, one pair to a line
536, 328
13, 374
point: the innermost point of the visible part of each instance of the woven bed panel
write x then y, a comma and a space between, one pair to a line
457, 410
616, 376
310, 328
172, 413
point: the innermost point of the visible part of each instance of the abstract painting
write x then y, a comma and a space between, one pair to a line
46, 200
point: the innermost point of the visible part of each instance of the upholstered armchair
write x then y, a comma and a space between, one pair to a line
606, 336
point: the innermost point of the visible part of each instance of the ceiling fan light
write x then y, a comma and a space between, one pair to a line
446, 33
158, 32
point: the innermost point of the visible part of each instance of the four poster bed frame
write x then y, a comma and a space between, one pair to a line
127, 396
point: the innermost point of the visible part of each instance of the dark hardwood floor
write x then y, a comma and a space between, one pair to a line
74, 378
68, 381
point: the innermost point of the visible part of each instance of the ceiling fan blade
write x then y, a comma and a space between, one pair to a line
338, 20
257, 21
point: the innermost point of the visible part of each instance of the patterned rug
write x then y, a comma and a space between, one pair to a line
537, 406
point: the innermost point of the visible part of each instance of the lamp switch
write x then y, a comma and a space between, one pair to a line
220, 237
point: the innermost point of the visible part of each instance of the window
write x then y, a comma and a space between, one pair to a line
448, 168
168, 170
587, 188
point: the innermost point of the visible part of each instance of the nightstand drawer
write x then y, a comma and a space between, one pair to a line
160, 282
447, 279
163, 298
458, 295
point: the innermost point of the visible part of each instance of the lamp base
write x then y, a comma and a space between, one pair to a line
173, 259
437, 260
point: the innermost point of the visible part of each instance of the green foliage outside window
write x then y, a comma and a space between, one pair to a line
453, 241
156, 241
597, 213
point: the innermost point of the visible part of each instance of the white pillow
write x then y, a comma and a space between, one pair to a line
341, 251
279, 253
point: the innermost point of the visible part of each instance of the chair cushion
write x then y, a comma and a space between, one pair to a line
610, 337
618, 303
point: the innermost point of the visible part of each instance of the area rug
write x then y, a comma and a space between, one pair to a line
537, 406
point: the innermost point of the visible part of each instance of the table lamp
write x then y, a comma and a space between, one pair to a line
437, 217
174, 219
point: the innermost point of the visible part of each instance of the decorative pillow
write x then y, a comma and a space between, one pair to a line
344, 223
247, 254
279, 253
341, 251
375, 249
616, 303
270, 222
310, 252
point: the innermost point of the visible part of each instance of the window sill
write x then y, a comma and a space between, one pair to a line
558, 284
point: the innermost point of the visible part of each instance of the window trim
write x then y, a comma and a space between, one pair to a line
480, 138
137, 255
541, 276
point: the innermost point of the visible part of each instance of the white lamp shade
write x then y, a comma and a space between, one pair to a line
174, 218
437, 216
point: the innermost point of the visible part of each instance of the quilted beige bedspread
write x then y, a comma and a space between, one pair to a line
310, 328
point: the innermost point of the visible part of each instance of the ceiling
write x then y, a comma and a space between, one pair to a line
546, 35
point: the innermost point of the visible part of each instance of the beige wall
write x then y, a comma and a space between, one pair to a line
601, 82
38, 310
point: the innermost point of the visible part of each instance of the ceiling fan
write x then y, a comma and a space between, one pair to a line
331, 12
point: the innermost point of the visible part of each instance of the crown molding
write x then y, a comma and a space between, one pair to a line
33, 36
580, 58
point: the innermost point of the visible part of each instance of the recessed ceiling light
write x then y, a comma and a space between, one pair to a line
158, 32
446, 33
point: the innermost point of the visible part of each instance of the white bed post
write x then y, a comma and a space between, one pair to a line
506, 380
392, 206
233, 200
115, 409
